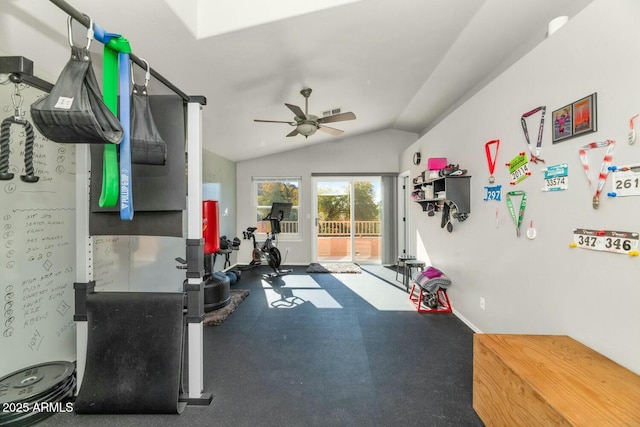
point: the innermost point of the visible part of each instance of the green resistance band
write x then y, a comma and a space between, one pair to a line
110, 174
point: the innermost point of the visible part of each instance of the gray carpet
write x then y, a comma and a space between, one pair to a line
333, 267
216, 317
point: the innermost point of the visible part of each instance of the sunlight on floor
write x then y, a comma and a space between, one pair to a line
377, 292
292, 291
377, 288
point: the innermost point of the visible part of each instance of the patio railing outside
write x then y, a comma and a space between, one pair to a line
334, 242
343, 228
330, 228
290, 227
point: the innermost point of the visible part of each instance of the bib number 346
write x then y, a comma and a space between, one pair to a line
609, 241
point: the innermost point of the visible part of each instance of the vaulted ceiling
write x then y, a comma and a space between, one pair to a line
400, 64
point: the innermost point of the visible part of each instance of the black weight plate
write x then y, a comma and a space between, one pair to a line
53, 396
31, 417
42, 397
36, 380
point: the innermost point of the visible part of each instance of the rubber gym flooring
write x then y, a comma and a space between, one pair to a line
326, 350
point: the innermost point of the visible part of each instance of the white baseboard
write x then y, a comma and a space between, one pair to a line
466, 321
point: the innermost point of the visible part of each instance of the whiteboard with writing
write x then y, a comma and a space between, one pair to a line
37, 248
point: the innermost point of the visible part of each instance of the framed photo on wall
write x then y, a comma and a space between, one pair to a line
584, 115
575, 119
562, 123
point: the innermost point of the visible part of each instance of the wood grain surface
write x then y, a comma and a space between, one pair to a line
545, 380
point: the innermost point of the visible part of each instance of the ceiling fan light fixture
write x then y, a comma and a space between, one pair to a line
307, 124
307, 129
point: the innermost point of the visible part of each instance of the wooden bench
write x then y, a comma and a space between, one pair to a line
549, 380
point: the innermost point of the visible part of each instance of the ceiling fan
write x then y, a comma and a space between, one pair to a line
307, 124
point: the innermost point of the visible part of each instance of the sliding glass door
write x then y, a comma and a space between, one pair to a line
348, 219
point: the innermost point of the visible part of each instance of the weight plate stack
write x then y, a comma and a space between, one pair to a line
35, 393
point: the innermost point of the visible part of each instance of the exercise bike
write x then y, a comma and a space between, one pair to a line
268, 252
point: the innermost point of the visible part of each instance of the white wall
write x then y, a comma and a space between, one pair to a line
371, 153
542, 286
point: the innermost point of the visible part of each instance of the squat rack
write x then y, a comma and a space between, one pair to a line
194, 243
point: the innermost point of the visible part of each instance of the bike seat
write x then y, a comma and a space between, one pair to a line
251, 229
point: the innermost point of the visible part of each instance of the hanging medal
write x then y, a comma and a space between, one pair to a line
535, 156
632, 133
604, 169
517, 219
491, 161
531, 232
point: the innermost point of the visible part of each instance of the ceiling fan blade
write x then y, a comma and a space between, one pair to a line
293, 132
337, 118
330, 130
296, 110
274, 121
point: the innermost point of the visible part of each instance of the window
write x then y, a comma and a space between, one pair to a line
266, 191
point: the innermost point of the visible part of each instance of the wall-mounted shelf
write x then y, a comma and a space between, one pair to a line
455, 189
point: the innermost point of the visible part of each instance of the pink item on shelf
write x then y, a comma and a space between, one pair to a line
436, 163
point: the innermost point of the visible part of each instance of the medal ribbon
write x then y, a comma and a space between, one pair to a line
523, 204
604, 169
632, 133
492, 161
534, 156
